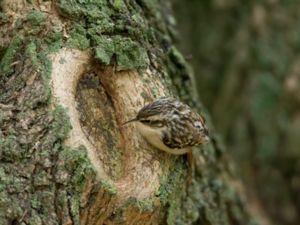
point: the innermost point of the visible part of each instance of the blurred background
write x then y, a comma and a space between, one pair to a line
246, 60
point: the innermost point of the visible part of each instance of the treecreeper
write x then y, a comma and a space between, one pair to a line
171, 126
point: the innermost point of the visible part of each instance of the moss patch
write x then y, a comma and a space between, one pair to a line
112, 30
35, 17
35, 165
8, 57
129, 54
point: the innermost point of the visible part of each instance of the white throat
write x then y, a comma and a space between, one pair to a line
153, 136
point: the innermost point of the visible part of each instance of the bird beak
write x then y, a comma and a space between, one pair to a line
129, 121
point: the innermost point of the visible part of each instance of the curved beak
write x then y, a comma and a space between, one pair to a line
129, 121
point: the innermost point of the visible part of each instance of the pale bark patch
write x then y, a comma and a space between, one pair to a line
141, 163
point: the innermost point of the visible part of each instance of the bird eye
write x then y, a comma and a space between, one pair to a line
153, 123
157, 123
146, 121
198, 125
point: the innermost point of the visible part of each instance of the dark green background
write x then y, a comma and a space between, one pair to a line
246, 61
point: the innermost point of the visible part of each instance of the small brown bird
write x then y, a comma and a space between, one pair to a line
171, 126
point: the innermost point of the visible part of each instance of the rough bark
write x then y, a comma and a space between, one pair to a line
71, 73
246, 56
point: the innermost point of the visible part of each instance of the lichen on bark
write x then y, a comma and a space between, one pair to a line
47, 177
35, 166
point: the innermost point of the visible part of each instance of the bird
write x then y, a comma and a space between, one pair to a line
171, 126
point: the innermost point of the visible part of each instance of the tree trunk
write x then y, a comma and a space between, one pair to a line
71, 73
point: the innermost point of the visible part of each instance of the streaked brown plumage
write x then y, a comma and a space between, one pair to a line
171, 126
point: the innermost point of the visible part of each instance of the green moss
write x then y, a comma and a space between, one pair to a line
141, 205
171, 192
173, 212
54, 40
118, 5
3, 183
75, 208
3, 17
46, 68
104, 50
171, 182
106, 34
101, 27
61, 124
9, 208
153, 7
76, 163
8, 57
35, 219
72, 166
31, 53
39, 65
42, 178
122, 31
78, 38
35, 203
145, 205
35, 17
128, 53
176, 57
10, 149
108, 187
73, 169
91, 9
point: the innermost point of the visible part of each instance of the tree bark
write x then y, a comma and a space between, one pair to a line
71, 73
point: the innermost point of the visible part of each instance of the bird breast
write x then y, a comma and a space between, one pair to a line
154, 137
